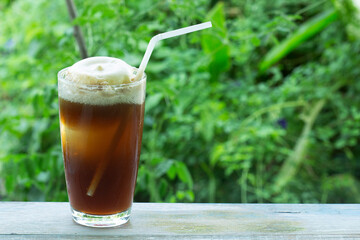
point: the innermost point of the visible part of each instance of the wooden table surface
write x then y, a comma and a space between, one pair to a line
49, 220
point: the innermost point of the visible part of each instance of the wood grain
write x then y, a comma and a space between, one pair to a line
46, 220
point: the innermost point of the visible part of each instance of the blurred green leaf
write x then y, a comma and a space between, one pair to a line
184, 174
152, 101
163, 168
171, 173
307, 30
215, 43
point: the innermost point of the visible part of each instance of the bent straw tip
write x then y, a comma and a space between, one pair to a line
208, 24
90, 191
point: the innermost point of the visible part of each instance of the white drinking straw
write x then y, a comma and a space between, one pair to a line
166, 35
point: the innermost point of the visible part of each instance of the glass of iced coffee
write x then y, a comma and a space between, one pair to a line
101, 123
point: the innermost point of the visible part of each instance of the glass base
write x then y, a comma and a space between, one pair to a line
101, 221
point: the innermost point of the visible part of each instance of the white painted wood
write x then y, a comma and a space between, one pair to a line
47, 220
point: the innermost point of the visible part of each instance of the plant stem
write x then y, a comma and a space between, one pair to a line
77, 30
212, 182
243, 184
293, 162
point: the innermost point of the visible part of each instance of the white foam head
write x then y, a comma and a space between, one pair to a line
101, 81
101, 71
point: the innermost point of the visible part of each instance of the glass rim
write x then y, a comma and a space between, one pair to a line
61, 77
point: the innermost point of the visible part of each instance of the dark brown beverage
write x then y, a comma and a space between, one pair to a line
101, 136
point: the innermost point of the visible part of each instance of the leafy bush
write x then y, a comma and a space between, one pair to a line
216, 128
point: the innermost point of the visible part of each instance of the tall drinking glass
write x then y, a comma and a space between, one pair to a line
101, 130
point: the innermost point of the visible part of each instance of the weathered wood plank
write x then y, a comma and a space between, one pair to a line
31, 220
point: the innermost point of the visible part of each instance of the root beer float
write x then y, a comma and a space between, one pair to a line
101, 122
101, 103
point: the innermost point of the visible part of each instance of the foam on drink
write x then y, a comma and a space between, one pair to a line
101, 81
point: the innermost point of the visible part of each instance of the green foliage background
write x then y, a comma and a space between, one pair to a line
216, 128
